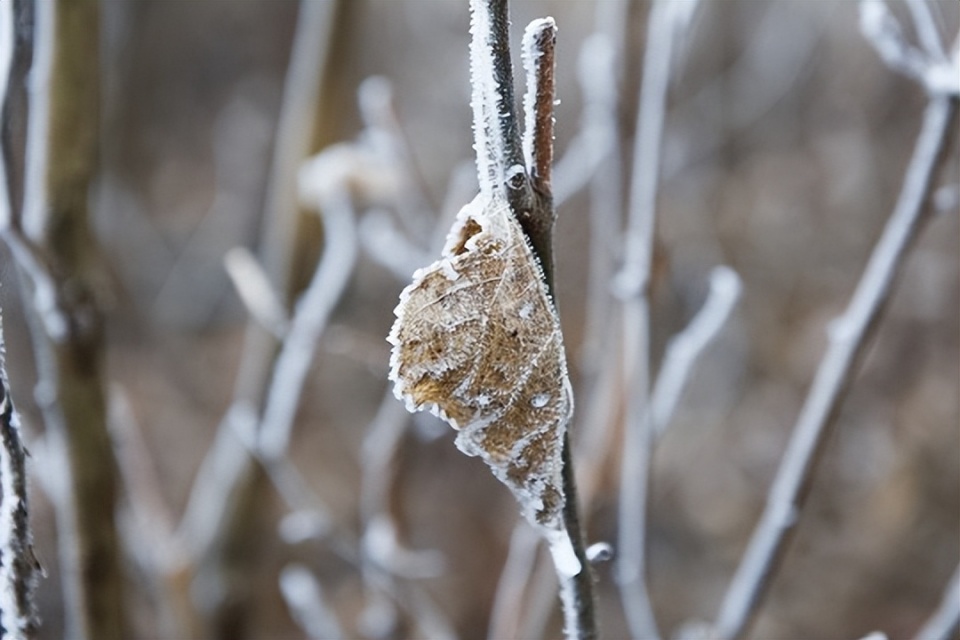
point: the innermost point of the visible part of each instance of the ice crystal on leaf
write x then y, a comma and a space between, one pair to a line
485, 353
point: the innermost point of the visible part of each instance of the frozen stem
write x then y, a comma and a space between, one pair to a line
18, 566
666, 22
525, 182
304, 597
539, 45
53, 243
686, 347
219, 509
848, 336
309, 320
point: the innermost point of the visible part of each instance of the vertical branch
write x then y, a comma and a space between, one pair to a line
526, 184
312, 313
216, 521
499, 150
18, 568
67, 324
535, 211
539, 62
664, 24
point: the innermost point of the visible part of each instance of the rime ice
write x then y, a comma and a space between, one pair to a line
485, 353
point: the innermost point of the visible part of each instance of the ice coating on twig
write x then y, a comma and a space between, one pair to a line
536, 51
484, 101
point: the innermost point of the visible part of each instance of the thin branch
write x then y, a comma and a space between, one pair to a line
305, 599
500, 166
501, 169
214, 518
508, 602
253, 286
539, 62
926, 29
61, 161
849, 336
309, 320
685, 348
597, 72
883, 31
18, 566
945, 621
149, 537
666, 22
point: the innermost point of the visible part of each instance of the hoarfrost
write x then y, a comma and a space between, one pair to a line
531, 53
564, 557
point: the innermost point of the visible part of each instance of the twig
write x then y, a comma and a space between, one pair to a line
684, 349
214, 518
539, 62
18, 566
946, 619
149, 537
61, 154
602, 141
500, 164
501, 169
931, 66
926, 28
253, 287
665, 23
309, 320
849, 336
517, 569
308, 606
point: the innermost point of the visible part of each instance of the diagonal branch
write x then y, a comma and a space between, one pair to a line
849, 336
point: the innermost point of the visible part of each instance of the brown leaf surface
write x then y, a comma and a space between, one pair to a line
477, 341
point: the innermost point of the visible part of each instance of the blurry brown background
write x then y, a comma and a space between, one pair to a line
785, 147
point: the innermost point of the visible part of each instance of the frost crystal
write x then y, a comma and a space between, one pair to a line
531, 54
485, 353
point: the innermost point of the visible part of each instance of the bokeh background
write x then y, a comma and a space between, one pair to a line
785, 146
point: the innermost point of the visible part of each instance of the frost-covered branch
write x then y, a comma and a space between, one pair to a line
539, 44
52, 240
684, 349
926, 28
500, 164
931, 66
254, 288
216, 518
304, 597
502, 169
310, 318
18, 567
848, 336
666, 22
945, 621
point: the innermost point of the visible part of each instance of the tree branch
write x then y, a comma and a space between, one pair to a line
18, 566
57, 255
849, 336
526, 184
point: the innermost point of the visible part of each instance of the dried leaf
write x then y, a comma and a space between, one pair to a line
477, 341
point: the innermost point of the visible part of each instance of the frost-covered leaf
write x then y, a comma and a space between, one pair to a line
477, 341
